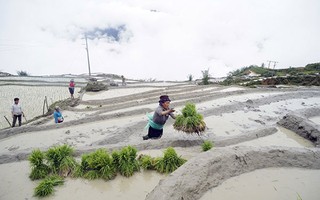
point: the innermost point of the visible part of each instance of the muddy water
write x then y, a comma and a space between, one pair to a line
15, 184
266, 184
283, 137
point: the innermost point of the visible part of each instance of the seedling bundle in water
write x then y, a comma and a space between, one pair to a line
190, 121
58, 162
166, 164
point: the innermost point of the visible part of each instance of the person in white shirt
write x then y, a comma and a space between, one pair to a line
17, 112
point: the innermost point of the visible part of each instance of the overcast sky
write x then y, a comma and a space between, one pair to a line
165, 39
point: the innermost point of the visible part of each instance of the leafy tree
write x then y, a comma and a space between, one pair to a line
313, 66
190, 77
205, 77
23, 73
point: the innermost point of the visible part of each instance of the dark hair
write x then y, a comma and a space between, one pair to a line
164, 98
16, 99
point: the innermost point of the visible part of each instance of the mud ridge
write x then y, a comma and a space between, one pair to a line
151, 144
302, 126
210, 169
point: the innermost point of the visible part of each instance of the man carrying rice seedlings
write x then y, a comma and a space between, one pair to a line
16, 112
159, 118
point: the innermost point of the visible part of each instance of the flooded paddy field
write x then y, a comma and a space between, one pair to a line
243, 123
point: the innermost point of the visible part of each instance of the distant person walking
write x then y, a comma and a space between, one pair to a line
123, 80
16, 112
159, 118
58, 118
71, 88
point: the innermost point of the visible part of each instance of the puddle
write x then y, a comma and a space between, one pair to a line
266, 184
283, 137
292, 135
315, 119
15, 184
230, 124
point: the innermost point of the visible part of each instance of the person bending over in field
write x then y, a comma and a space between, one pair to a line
159, 118
58, 118
16, 112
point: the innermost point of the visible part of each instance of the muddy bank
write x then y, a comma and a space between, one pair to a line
189, 182
302, 126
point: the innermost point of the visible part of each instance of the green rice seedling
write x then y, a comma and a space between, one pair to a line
190, 121
39, 170
45, 187
36, 158
127, 161
60, 159
170, 161
207, 145
98, 164
92, 174
115, 159
147, 162
67, 166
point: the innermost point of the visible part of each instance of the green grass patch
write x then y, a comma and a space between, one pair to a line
207, 145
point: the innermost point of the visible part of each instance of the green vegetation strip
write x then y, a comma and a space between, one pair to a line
58, 162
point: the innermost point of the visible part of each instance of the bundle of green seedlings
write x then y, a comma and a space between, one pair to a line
58, 162
190, 121
125, 161
98, 164
52, 165
166, 164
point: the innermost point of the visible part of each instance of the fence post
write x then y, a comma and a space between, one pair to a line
7, 120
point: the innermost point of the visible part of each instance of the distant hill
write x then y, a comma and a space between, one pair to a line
5, 74
254, 75
313, 68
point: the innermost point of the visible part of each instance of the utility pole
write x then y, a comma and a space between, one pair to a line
274, 63
88, 55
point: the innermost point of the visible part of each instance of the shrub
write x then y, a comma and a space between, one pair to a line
205, 77
23, 73
46, 186
190, 121
207, 145
170, 161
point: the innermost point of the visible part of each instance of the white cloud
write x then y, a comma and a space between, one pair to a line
166, 40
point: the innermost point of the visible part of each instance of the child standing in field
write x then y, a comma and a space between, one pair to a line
16, 112
71, 88
58, 118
